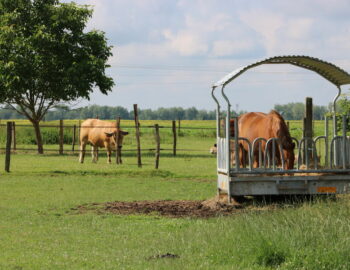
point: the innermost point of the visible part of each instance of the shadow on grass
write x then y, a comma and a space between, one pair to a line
284, 200
128, 173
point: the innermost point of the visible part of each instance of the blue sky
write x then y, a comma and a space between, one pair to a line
169, 52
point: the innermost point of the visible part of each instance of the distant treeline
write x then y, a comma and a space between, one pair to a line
107, 112
296, 111
290, 111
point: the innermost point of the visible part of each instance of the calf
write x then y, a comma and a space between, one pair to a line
99, 134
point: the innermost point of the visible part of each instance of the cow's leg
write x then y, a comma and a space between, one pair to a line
82, 152
94, 153
109, 152
120, 155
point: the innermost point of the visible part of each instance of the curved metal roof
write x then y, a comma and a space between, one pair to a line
327, 70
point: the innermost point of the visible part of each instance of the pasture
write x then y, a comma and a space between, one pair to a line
41, 228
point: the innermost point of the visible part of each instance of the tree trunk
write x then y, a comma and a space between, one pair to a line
39, 140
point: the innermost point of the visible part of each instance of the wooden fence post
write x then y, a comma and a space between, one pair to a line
137, 127
61, 138
174, 137
157, 137
14, 136
74, 137
308, 133
118, 153
8, 147
179, 125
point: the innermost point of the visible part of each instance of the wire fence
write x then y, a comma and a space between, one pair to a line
63, 139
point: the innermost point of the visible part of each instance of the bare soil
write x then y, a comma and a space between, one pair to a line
217, 206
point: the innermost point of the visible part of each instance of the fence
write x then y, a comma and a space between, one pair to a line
143, 139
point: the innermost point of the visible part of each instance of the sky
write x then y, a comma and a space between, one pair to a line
168, 53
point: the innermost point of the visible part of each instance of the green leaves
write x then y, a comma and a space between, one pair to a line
44, 52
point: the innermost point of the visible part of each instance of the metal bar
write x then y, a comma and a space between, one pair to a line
281, 152
249, 152
217, 125
259, 142
306, 152
335, 125
227, 133
237, 165
326, 141
274, 154
335, 111
279, 172
333, 150
344, 143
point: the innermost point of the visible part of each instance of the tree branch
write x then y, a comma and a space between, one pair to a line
23, 112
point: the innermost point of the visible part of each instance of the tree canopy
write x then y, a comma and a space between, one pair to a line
46, 57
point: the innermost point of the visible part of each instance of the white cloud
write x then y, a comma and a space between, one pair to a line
228, 47
186, 43
218, 36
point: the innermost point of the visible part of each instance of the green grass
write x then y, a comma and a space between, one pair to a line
38, 229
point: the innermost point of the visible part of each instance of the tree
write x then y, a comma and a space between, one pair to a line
46, 58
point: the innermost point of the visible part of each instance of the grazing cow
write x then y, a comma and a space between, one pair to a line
99, 134
261, 125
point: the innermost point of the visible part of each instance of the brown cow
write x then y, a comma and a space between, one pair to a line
99, 134
261, 125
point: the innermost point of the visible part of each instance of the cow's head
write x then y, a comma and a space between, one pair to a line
214, 149
113, 136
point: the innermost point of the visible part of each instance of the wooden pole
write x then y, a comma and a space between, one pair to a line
8, 147
118, 153
14, 136
179, 125
61, 138
74, 137
137, 127
174, 137
308, 133
157, 137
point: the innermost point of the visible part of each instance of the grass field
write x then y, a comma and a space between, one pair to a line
40, 230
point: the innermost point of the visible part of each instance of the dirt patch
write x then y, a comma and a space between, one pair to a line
163, 256
216, 206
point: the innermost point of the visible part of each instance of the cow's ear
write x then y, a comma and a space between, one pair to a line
109, 134
124, 133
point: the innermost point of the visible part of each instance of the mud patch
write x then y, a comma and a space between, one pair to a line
217, 206
176, 209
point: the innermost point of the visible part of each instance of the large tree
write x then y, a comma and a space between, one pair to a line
46, 57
